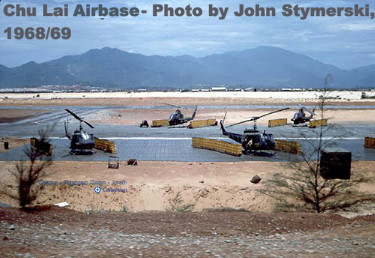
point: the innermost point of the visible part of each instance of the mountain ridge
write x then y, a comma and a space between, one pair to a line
113, 68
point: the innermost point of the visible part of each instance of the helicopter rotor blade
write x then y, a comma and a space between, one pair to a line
172, 105
257, 117
88, 123
74, 115
245, 121
78, 118
308, 110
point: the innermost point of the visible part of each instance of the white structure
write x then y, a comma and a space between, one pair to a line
218, 89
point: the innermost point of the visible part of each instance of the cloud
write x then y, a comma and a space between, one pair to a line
355, 27
321, 37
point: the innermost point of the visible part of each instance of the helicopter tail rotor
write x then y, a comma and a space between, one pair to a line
67, 134
194, 113
225, 116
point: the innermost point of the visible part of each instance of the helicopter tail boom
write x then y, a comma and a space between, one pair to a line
223, 128
66, 130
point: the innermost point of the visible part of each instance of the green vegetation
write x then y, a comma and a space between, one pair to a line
178, 205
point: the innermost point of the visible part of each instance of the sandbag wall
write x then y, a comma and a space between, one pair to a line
202, 123
216, 145
370, 142
44, 147
159, 123
277, 122
288, 146
316, 123
105, 145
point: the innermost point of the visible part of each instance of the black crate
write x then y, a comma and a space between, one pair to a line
335, 163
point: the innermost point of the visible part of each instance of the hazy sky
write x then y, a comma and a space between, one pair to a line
346, 42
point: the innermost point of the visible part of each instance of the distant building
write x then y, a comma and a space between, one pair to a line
218, 89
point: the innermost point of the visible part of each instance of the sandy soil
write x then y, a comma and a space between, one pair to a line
135, 116
14, 115
12, 143
157, 185
182, 100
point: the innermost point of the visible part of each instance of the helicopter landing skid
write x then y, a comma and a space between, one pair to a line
300, 125
81, 152
177, 126
260, 153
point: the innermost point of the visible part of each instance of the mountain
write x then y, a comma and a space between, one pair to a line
113, 68
364, 75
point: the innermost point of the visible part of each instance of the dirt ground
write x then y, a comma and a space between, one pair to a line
185, 101
135, 116
160, 186
62, 232
12, 143
14, 115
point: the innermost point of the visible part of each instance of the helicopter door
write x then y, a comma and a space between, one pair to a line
269, 140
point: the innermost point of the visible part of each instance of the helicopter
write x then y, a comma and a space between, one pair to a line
177, 118
300, 117
81, 143
252, 140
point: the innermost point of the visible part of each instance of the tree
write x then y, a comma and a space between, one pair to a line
304, 189
28, 172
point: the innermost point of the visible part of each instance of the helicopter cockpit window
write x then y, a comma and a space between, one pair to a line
85, 136
268, 137
296, 115
172, 117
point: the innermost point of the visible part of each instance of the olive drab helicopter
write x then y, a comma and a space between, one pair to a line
301, 118
81, 142
252, 140
177, 118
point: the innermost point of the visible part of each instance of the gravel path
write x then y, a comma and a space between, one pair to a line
64, 233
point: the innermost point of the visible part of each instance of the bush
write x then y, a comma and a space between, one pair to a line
28, 172
305, 190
